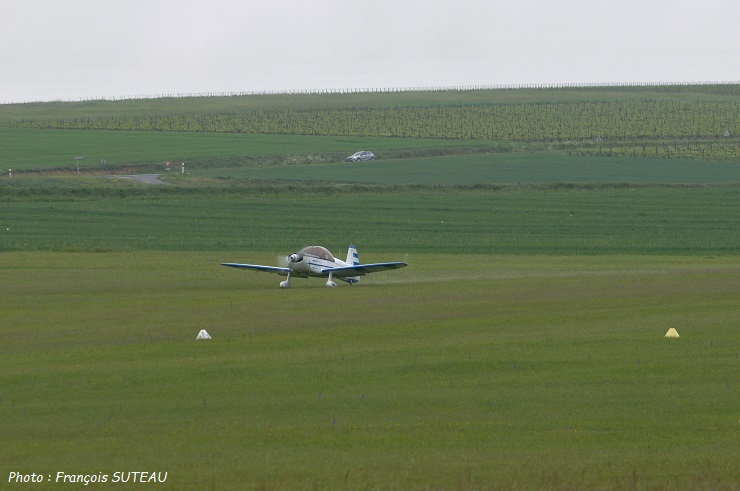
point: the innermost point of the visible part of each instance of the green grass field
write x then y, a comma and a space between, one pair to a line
523, 347
462, 372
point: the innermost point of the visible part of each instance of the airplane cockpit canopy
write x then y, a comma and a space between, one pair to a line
318, 251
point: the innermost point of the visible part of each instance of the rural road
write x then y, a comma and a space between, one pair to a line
145, 178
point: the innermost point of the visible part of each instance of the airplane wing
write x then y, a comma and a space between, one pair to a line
362, 269
259, 267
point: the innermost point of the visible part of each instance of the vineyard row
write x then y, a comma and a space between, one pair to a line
727, 152
537, 122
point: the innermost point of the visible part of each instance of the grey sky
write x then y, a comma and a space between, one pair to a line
82, 49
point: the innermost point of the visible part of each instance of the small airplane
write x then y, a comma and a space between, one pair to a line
318, 261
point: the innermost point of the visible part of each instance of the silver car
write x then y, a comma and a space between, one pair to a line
363, 155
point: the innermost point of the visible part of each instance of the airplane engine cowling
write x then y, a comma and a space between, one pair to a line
295, 258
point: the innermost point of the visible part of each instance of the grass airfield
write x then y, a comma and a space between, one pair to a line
481, 372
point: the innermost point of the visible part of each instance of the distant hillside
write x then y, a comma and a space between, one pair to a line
318, 100
706, 112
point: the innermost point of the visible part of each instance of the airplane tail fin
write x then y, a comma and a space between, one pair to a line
353, 259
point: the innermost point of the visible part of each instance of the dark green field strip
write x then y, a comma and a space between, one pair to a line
499, 168
517, 220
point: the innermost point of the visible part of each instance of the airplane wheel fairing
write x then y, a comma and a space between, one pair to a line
331, 284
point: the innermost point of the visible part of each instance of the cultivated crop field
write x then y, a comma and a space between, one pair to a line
523, 347
570, 220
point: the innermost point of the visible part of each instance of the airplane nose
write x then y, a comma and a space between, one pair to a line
295, 258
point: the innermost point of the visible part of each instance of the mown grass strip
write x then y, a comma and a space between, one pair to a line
533, 371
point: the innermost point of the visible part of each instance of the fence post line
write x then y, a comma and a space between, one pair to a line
390, 89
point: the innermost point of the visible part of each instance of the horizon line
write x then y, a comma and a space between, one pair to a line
370, 90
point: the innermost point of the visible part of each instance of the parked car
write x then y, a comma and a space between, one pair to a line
357, 156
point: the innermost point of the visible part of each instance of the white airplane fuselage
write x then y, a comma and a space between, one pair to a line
314, 261
313, 266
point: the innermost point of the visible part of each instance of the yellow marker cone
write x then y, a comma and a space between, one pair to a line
672, 333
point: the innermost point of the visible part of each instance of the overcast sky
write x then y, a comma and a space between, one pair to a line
85, 49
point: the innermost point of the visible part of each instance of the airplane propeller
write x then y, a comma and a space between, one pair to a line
284, 261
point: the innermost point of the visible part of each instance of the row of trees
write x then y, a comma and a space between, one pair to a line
536, 122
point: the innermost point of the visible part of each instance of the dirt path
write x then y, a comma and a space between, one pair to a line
144, 178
